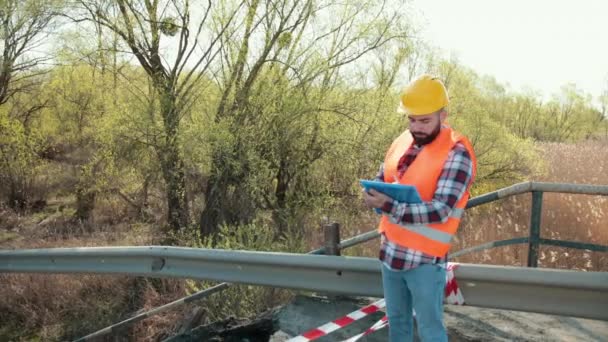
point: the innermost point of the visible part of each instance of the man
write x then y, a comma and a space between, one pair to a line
441, 164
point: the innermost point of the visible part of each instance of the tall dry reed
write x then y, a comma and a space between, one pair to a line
571, 217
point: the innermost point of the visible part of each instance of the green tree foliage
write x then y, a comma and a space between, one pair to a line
280, 98
256, 118
252, 110
477, 109
19, 163
569, 116
23, 27
141, 25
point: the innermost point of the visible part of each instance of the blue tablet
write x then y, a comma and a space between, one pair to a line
399, 192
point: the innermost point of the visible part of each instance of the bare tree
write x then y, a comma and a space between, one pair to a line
309, 45
24, 25
146, 26
23, 28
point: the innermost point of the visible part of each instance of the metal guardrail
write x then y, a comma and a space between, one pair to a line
561, 292
334, 246
537, 189
525, 187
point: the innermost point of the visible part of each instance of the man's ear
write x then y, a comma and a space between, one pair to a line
443, 115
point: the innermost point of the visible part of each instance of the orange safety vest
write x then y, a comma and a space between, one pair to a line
423, 173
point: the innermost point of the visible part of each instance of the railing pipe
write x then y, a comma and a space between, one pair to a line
535, 216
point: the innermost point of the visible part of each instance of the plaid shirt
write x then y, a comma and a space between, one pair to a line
451, 186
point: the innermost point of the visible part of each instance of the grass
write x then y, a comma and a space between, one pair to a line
51, 307
62, 307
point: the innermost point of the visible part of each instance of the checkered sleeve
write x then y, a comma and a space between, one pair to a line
452, 184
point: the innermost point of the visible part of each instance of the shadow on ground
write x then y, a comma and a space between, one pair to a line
463, 323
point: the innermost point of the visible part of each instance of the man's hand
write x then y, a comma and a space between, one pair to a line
375, 199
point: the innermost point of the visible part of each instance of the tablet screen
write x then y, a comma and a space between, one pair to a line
398, 192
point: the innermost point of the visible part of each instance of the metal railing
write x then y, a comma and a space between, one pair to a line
562, 292
527, 291
534, 240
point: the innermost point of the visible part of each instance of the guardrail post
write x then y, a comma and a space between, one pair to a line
332, 239
332, 247
535, 215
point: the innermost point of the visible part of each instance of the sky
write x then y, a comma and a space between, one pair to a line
528, 44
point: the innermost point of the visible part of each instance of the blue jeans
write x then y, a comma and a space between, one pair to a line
421, 289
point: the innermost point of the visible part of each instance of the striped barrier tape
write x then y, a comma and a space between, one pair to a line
452, 293
383, 322
339, 323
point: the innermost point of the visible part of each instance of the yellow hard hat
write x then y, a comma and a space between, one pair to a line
425, 95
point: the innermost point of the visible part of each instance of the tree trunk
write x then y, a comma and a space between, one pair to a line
226, 198
172, 164
213, 213
85, 203
281, 213
175, 180
17, 198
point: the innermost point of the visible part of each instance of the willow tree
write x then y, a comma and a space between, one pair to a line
282, 83
173, 43
24, 26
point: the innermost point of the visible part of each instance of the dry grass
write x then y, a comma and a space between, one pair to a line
64, 307
579, 218
51, 307
60, 307
570, 217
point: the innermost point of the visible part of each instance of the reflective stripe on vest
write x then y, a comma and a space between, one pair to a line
424, 172
457, 213
432, 233
429, 232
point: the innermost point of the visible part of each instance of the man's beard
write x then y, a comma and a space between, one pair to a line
422, 139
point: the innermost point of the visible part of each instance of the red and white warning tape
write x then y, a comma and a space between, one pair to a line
339, 323
453, 296
383, 322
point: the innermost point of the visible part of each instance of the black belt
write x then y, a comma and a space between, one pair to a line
440, 260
